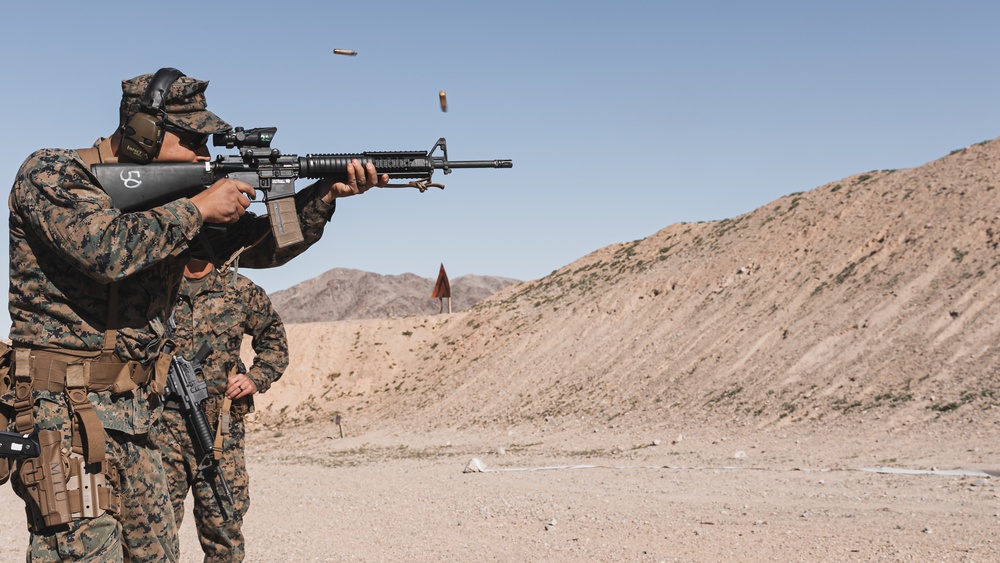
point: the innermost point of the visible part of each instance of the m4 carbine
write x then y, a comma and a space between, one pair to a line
190, 391
139, 187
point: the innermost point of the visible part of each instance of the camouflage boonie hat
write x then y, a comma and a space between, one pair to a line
184, 104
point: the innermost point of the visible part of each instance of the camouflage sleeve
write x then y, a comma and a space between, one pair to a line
269, 341
58, 200
313, 214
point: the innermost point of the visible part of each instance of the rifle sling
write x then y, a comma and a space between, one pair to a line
222, 428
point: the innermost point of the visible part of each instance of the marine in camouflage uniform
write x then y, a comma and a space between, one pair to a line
219, 310
68, 248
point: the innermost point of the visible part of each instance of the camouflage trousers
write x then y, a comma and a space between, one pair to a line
221, 540
144, 530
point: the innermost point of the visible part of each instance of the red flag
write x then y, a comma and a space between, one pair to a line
442, 288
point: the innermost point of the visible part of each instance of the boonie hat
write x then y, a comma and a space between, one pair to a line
184, 104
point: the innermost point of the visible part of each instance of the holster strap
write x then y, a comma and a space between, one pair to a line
106, 500
24, 420
89, 495
77, 379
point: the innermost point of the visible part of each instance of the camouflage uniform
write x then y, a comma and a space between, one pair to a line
68, 245
220, 310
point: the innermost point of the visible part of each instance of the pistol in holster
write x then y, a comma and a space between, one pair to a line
59, 488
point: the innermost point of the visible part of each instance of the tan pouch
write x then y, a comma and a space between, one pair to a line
123, 381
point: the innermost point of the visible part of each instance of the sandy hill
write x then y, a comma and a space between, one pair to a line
871, 298
342, 293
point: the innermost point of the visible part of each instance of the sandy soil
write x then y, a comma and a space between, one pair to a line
687, 494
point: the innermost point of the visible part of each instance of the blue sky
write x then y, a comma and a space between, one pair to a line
621, 117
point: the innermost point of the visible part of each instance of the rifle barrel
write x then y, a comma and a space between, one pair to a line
412, 164
499, 163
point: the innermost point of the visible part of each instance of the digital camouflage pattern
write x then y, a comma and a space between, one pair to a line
146, 519
221, 540
184, 103
219, 310
67, 244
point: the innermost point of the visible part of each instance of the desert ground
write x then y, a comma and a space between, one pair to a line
612, 493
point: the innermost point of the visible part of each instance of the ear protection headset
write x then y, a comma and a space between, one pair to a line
142, 133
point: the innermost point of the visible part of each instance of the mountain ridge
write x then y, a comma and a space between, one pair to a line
868, 298
343, 293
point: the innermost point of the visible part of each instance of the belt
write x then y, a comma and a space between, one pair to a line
48, 372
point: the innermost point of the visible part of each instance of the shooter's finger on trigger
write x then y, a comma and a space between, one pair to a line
244, 187
250, 192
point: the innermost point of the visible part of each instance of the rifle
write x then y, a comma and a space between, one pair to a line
139, 187
184, 385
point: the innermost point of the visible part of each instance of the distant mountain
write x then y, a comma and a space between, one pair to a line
342, 293
871, 301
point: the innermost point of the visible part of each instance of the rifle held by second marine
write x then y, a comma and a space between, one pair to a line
185, 387
140, 187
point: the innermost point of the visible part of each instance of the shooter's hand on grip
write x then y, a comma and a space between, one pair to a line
225, 201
